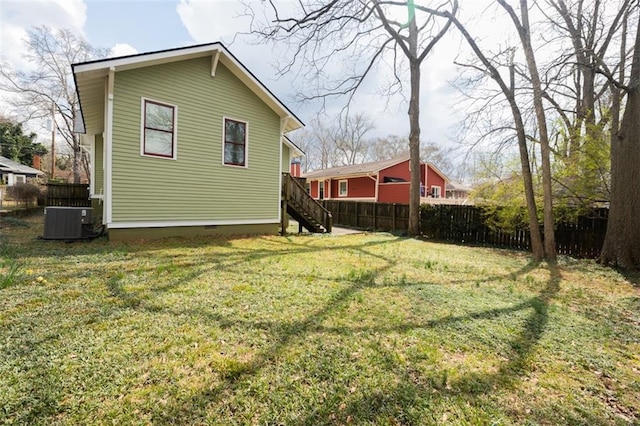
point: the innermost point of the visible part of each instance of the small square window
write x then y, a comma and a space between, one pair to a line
235, 142
159, 138
342, 188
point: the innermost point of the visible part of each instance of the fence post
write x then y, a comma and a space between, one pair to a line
375, 211
356, 214
393, 217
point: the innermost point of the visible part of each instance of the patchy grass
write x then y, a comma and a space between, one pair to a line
310, 330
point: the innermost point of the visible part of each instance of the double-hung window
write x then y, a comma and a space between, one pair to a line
235, 143
159, 129
342, 188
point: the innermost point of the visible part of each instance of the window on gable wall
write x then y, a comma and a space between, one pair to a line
235, 142
435, 191
159, 137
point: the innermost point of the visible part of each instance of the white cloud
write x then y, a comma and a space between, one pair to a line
122, 49
18, 16
209, 21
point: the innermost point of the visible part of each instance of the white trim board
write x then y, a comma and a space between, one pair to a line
178, 223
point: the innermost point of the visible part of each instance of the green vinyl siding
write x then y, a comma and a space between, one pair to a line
286, 159
196, 186
98, 173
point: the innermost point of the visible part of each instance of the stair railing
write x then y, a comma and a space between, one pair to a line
295, 194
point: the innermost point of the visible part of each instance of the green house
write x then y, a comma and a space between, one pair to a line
183, 141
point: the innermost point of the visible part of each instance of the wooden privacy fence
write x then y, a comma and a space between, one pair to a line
582, 236
469, 224
68, 195
382, 216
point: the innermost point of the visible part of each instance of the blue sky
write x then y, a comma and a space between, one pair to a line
138, 26
145, 25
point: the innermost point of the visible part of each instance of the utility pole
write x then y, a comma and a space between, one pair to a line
53, 140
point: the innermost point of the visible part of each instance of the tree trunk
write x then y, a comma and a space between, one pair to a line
414, 132
621, 244
524, 30
77, 159
537, 247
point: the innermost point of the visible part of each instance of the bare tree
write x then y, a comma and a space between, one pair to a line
50, 84
324, 144
350, 142
489, 68
366, 33
585, 109
388, 147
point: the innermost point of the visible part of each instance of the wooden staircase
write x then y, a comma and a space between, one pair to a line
308, 212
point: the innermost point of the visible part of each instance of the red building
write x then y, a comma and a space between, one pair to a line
381, 181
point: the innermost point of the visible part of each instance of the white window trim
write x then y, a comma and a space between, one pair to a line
246, 142
321, 182
439, 195
346, 188
175, 129
19, 179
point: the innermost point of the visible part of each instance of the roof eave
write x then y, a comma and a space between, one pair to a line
100, 68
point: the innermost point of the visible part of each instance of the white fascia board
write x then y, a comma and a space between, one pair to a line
147, 59
295, 151
438, 172
341, 177
177, 223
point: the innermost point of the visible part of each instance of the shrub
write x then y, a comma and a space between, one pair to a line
24, 193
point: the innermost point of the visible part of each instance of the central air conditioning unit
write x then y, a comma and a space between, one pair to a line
67, 223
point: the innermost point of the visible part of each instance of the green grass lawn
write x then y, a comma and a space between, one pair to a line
310, 330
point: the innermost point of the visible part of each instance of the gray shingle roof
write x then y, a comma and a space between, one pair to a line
11, 166
356, 169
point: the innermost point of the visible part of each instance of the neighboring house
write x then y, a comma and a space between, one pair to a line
12, 172
381, 181
183, 141
68, 176
457, 191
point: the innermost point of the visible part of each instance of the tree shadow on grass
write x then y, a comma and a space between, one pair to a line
190, 409
396, 402
43, 401
385, 402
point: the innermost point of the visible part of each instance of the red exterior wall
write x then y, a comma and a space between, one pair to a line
315, 188
295, 169
360, 187
434, 179
400, 170
396, 192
